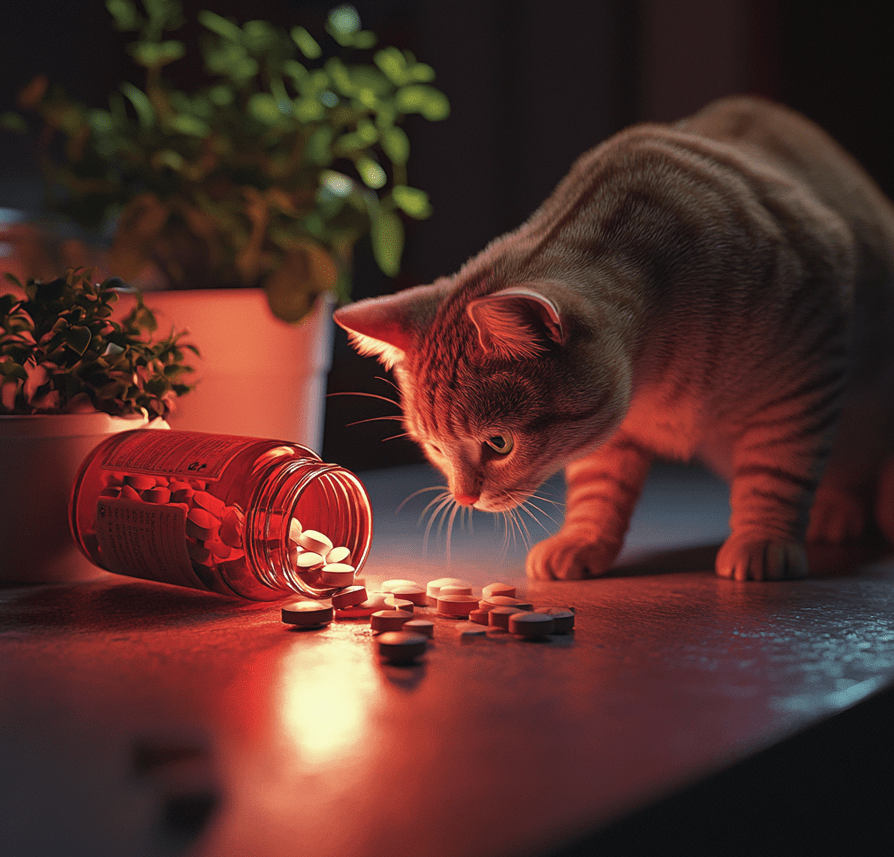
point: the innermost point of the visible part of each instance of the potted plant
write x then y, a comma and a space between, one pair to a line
70, 374
265, 176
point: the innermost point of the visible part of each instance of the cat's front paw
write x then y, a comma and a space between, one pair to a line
566, 557
837, 516
751, 557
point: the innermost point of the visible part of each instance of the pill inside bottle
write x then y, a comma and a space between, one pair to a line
216, 512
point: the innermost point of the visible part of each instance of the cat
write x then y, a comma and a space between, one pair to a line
722, 289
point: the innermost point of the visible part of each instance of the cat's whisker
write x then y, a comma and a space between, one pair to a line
441, 504
396, 436
388, 381
367, 396
417, 493
526, 508
374, 419
438, 502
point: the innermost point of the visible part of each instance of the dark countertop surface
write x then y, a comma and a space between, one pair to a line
139, 719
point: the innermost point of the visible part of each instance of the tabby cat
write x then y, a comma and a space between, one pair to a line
720, 288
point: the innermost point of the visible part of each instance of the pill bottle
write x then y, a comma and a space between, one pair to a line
219, 513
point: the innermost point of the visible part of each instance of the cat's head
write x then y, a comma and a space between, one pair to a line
502, 387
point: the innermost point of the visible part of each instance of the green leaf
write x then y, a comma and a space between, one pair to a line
78, 339
371, 173
420, 98
13, 122
307, 44
125, 14
141, 103
342, 23
396, 145
189, 125
154, 54
220, 25
412, 201
263, 106
387, 236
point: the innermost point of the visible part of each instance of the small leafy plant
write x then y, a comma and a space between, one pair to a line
61, 351
266, 175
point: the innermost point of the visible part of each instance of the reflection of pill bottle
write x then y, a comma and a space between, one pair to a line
217, 512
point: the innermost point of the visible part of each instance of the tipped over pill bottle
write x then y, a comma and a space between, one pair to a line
241, 516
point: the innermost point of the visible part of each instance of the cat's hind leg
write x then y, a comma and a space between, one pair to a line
602, 491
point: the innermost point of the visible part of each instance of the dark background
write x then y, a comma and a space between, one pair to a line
533, 83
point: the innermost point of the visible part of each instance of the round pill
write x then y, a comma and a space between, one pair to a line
400, 647
337, 574
128, 492
209, 502
306, 613
389, 585
389, 620
457, 605
312, 540
392, 602
200, 524
563, 619
374, 602
231, 526
505, 589
308, 559
506, 601
339, 554
499, 616
529, 624
350, 596
294, 529
470, 631
410, 592
157, 495
182, 495
420, 626
479, 616
455, 589
433, 587
197, 552
139, 481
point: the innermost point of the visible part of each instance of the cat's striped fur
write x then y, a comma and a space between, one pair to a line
722, 288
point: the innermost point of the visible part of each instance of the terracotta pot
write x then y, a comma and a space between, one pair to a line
258, 376
39, 459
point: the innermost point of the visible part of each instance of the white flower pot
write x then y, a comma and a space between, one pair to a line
257, 375
39, 459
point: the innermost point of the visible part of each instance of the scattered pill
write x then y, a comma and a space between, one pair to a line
506, 589
400, 647
563, 619
312, 540
479, 616
470, 631
350, 596
456, 605
389, 585
410, 592
530, 624
455, 589
389, 620
499, 616
306, 613
506, 601
420, 626
337, 574
394, 603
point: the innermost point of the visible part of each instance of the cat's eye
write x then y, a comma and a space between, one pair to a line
501, 443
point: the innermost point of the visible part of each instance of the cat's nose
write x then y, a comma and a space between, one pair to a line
466, 499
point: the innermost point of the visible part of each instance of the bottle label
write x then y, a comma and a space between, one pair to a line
145, 540
180, 453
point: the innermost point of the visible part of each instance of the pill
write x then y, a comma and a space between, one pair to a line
563, 619
350, 596
182, 495
394, 603
179, 484
294, 529
307, 613
128, 492
209, 502
390, 585
400, 647
312, 540
499, 616
420, 626
456, 605
197, 551
232, 526
373, 604
479, 616
200, 524
433, 587
218, 548
470, 631
111, 491
339, 554
490, 589
337, 574
455, 589
139, 481
410, 592
506, 601
156, 495
530, 624
308, 559
389, 620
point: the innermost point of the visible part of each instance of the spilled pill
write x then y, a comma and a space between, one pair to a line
306, 613
337, 574
409, 592
400, 647
506, 601
420, 626
499, 616
506, 589
563, 619
530, 624
389, 620
457, 605
350, 596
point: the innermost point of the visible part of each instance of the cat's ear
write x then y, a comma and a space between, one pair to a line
385, 327
516, 323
